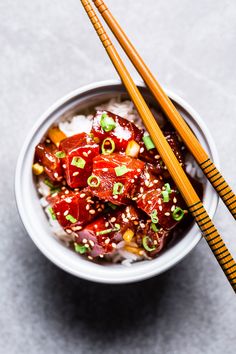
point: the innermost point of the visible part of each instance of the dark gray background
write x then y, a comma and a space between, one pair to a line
49, 48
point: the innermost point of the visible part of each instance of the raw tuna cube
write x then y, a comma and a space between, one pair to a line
122, 131
151, 200
103, 234
45, 155
152, 156
117, 175
80, 150
74, 209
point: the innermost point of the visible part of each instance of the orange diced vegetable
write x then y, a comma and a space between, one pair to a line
138, 251
56, 135
128, 235
132, 149
37, 169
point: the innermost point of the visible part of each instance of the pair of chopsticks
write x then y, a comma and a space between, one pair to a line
195, 205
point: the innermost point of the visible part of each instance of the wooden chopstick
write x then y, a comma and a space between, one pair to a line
204, 161
195, 205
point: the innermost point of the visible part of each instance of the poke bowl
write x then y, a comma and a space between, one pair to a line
99, 202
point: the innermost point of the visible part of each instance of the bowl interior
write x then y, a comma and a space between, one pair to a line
36, 222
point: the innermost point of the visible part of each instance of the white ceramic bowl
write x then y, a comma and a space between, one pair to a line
35, 220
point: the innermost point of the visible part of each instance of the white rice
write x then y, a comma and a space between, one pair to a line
83, 123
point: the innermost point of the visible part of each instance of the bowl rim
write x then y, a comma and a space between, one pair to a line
20, 162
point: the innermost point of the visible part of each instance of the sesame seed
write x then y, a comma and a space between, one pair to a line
68, 200
160, 207
89, 152
99, 209
136, 222
142, 150
76, 228
63, 196
48, 141
82, 195
159, 201
92, 211
84, 240
64, 165
113, 245
68, 231
106, 224
149, 202
105, 169
155, 181
155, 242
91, 258
172, 208
55, 174
167, 214
146, 183
67, 192
141, 190
134, 198
101, 256
142, 225
86, 245
174, 200
125, 220
115, 196
66, 212
156, 157
132, 180
75, 174
107, 241
85, 154
91, 243
113, 219
138, 169
87, 207
147, 175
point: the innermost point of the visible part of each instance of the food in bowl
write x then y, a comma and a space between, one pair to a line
106, 190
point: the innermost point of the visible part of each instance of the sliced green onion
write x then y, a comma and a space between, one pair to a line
93, 181
107, 231
113, 206
78, 162
154, 216
60, 154
167, 187
154, 227
118, 188
145, 241
117, 227
107, 123
48, 183
148, 142
178, 214
165, 196
80, 248
71, 218
53, 216
121, 170
104, 232
109, 151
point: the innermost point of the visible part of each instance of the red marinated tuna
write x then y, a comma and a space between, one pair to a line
77, 154
159, 200
74, 209
46, 154
102, 235
114, 177
120, 130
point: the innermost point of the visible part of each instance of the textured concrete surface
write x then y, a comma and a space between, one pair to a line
48, 48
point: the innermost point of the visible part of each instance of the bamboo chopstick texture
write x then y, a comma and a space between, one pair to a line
208, 167
196, 207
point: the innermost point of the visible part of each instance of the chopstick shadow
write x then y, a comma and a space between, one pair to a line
117, 309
